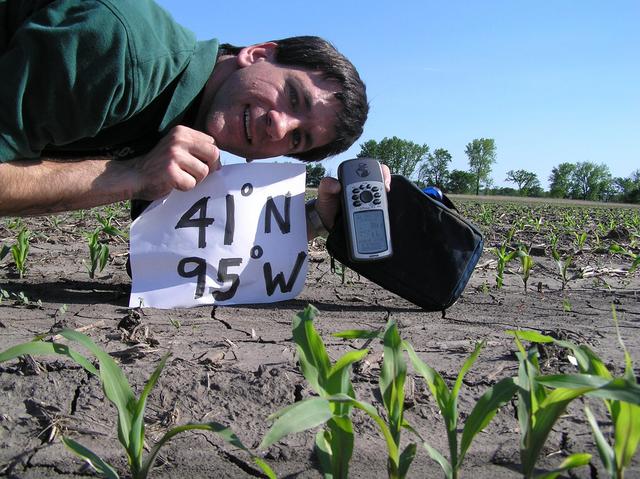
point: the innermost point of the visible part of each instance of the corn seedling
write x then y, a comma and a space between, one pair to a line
15, 224
503, 257
539, 407
624, 412
563, 265
626, 423
527, 263
54, 221
130, 409
22, 299
98, 254
4, 251
392, 379
635, 258
61, 311
447, 400
580, 240
486, 214
79, 214
391, 383
338, 268
107, 227
20, 250
334, 443
4, 295
537, 224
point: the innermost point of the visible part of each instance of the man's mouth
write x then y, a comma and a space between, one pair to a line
247, 131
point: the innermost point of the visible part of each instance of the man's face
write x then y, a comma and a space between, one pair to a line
263, 109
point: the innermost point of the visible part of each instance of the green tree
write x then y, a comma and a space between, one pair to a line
591, 182
482, 155
527, 181
401, 156
560, 180
629, 188
460, 182
434, 171
315, 172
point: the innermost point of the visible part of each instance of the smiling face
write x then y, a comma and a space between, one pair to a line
260, 109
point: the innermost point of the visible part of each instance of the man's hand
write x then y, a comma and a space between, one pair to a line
181, 160
328, 202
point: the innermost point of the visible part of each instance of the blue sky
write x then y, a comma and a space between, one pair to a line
550, 81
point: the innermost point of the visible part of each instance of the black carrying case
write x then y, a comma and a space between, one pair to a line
435, 249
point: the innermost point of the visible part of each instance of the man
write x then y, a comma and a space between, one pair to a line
108, 100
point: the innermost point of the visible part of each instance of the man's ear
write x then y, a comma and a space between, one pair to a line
255, 53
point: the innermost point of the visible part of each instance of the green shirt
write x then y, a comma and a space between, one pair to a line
88, 76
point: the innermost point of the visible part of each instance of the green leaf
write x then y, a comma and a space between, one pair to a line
37, 348
607, 455
618, 389
572, 461
436, 384
392, 377
221, 430
323, 454
588, 361
4, 251
406, 458
113, 231
373, 414
544, 418
347, 360
301, 416
440, 459
359, 334
465, 369
531, 336
136, 436
99, 465
341, 440
103, 257
313, 357
483, 411
626, 433
115, 384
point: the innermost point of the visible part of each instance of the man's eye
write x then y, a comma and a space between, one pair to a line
293, 97
296, 138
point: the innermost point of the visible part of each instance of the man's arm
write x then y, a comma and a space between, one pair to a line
180, 160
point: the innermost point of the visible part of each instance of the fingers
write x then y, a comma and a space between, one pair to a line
386, 174
328, 201
205, 150
328, 186
181, 160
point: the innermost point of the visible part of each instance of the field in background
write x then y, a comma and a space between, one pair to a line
237, 365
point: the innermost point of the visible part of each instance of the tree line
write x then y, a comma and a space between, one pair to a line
582, 180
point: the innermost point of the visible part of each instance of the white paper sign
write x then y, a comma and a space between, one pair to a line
239, 237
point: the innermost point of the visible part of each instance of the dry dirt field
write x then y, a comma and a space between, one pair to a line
237, 365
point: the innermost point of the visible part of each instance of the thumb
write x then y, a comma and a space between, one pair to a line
328, 202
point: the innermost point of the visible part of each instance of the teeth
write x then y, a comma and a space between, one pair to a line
246, 124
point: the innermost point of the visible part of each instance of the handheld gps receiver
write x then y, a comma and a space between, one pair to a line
365, 212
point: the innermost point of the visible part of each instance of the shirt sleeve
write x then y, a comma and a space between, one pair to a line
76, 67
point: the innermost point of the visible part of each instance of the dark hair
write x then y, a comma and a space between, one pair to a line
316, 54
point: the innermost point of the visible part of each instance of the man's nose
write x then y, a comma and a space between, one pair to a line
279, 124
